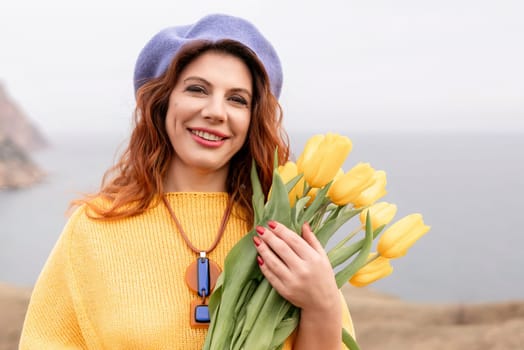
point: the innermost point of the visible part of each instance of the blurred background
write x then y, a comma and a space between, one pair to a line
431, 92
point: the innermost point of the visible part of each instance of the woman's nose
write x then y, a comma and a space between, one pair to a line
215, 109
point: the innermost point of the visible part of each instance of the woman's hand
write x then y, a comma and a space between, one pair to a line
299, 269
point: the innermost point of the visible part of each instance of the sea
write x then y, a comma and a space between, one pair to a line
469, 187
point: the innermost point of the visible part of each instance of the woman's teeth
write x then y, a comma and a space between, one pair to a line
206, 135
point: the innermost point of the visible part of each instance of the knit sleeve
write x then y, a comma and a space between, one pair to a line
52, 320
347, 323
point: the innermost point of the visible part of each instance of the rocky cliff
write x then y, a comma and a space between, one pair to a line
17, 138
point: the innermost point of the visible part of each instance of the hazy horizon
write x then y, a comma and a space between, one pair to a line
458, 182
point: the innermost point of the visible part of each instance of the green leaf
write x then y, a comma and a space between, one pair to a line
247, 293
278, 207
216, 296
253, 310
339, 255
240, 264
238, 326
342, 253
239, 268
291, 183
345, 274
284, 329
261, 335
330, 226
348, 340
258, 195
298, 211
332, 207
289, 187
319, 201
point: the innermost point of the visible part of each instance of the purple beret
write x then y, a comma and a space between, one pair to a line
156, 56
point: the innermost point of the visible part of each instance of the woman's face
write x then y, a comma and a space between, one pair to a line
209, 111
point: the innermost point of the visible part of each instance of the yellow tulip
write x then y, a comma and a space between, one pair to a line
380, 214
400, 236
372, 271
322, 157
309, 150
287, 172
374, 192
350, 185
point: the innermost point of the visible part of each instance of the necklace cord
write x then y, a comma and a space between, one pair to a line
220, 233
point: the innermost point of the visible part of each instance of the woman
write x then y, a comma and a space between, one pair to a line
180, 195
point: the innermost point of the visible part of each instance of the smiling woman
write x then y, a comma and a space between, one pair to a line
207, 120
137, 261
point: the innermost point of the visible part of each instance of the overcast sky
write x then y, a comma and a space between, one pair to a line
351, 65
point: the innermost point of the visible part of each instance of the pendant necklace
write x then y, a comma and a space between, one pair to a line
201, 275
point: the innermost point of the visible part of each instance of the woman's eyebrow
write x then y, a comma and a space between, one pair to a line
198, 79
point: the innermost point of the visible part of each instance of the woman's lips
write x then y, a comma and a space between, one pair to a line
207, 138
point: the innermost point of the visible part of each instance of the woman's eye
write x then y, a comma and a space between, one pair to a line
239, 100
196, 88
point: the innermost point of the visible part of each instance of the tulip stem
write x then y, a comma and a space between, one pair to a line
307, 188
371, 259
349, 237
317, 219
349, 341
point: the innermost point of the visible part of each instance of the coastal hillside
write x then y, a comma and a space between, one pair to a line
387, 322
381, 322
17, 126
18, 137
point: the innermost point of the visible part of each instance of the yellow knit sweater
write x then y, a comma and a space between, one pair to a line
120, 284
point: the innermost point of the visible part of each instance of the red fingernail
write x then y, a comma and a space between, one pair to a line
256, 240
260, 230
272, 224
259, 260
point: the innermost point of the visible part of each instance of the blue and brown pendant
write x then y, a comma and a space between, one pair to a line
201, 277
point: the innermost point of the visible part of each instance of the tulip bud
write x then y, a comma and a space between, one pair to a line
380, 214
374, 192
350, 185
400, 236
322, 159
309, 150
372, 271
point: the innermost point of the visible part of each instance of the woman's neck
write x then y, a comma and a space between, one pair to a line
181, 178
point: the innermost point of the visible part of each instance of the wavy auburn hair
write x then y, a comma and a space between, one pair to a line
136, 180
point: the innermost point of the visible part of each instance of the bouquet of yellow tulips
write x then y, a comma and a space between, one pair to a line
246, 312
